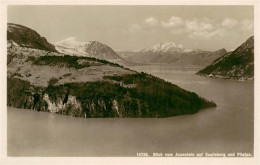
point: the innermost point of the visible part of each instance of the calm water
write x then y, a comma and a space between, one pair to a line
227, 128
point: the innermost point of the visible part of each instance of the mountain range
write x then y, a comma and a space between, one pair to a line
172, 53
163, 53
237, 64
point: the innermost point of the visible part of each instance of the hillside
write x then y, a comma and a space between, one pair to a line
26, 37
89, 87
238, 64
172, 53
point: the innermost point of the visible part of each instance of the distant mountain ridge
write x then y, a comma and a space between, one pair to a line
172, 53
24, 36
238, 64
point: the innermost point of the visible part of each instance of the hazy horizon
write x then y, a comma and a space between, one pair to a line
138, 27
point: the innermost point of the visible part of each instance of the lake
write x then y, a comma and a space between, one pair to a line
227, 128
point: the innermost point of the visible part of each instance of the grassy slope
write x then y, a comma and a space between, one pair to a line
38, 67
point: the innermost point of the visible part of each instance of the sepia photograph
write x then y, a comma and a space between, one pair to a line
164, 81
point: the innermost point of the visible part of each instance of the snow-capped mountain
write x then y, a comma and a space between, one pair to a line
167, 47
172, 53
93, 49
71, 42
71, 46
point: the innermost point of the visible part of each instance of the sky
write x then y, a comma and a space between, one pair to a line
137, 27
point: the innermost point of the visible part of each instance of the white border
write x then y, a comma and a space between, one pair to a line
120, 160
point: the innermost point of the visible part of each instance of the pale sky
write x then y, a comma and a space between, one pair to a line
138, 27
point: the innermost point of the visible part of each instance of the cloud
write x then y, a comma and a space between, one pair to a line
173, 22
144, 26
219, 32
196, 28
151, 21
229, 23
204, 28
198, 25
247, 25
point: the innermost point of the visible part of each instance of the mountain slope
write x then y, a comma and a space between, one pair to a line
90, 87
238, 64
172, 53
24, 36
